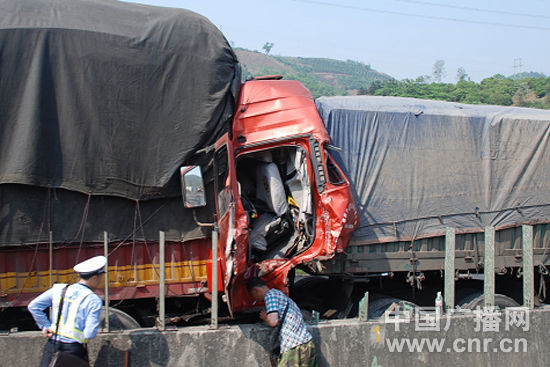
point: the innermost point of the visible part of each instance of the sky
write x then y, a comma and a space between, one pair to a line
402, 38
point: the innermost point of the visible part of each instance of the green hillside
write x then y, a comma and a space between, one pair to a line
323, 77
329, 77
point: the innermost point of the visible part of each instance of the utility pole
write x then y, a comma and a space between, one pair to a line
517, 67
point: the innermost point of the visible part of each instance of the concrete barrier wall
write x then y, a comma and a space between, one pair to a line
340, 343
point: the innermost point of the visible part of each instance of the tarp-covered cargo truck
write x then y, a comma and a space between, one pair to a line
419, 168
101, 104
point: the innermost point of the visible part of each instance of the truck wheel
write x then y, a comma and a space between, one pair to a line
310, 292
477, 299
118, 320
331, 297
379, 304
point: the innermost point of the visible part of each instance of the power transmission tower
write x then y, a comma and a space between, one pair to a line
517, 68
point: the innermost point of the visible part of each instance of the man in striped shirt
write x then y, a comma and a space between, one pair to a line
297, 347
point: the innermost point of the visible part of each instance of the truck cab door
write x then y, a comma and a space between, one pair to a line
232, 233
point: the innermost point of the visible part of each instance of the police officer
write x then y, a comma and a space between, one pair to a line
80, 314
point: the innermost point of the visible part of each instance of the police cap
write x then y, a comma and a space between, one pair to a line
92, 266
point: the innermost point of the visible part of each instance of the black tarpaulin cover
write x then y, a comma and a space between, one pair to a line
106, 97
100, 103
418, 166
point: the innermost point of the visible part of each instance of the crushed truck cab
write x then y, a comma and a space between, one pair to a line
281, 200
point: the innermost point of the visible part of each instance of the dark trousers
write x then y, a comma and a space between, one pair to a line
74, 348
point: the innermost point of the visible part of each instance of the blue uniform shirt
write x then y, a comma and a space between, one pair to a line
87, 318
294, 330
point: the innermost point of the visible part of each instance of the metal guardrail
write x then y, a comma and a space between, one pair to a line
489, 267
527, 271
450, 240
106, 254
449, 272
161, 325
214, 308
162, 295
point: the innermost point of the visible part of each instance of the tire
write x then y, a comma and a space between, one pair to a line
477, 299
118, 320
309, 292
323, 294
379, 305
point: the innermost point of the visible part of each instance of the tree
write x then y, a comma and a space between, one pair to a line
439, 71
498, 77
424, 79
522, 91
373, 87
267, 47
461, 75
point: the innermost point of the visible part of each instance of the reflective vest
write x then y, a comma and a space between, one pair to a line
73, 298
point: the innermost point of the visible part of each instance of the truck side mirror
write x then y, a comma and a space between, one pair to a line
192, 187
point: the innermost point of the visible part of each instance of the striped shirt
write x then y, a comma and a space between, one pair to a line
294, 330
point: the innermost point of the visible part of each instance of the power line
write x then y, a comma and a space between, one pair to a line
504, 12
457, 20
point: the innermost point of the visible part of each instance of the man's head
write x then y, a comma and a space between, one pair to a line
90, 270
257, 288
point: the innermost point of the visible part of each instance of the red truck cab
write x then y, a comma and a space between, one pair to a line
281, 200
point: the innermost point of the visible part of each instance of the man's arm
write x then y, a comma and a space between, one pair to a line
272, 318
92, 317
37, 307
